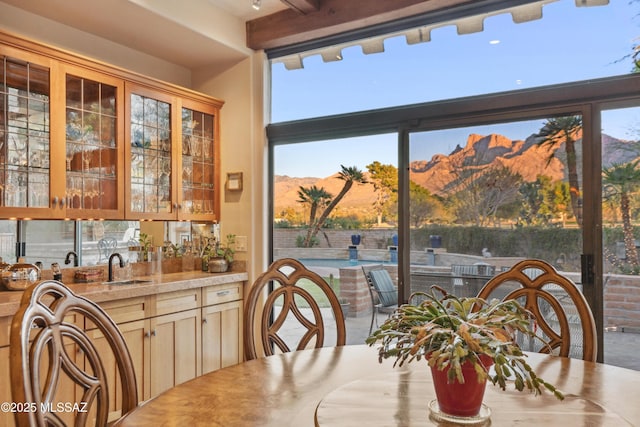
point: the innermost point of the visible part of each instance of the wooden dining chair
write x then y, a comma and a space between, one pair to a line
285, 297
563, 317
50, 350
383, 293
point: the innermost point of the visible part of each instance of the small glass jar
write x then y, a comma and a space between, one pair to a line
57, 273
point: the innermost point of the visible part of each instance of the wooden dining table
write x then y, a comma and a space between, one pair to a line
347, 386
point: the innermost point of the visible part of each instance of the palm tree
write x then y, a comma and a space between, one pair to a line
316, 198
553, 134
624, 179
349, 175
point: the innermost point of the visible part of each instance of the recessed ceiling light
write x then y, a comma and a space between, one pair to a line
256, 4
494, 42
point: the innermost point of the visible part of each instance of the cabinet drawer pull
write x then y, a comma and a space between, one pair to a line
223, 293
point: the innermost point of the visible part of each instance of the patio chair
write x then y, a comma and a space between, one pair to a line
54, 360
563, 317
290, 302
384, 294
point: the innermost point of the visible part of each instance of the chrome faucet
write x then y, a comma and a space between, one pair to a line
67, 259
114, 255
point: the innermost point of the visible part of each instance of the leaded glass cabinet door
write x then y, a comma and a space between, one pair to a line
25, 147
200, 160
149, 158
93, 149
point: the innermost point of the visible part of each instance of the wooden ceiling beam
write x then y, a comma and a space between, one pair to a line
289, 27
303, 6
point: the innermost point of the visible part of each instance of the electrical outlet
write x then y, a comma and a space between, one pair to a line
241, 243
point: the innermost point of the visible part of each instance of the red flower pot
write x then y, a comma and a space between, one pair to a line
461, 400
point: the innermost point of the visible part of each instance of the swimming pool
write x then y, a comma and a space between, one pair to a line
338, 263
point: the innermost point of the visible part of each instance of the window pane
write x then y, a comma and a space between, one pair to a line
620, 215
309, 179
483, 198
8, 241
100, 239
48, 241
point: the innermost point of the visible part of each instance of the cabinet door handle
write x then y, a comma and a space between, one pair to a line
54, 202
61, 202
153, 333
204, 321
147, 334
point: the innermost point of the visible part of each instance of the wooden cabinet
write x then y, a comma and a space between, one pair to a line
222, 326
175, 349
172, 156
221, 336
169, 339
94, 140
82, 139
199, 161
26, 152
172, 337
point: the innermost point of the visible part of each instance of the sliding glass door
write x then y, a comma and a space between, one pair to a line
620, 233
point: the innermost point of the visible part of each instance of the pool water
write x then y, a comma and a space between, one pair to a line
338, 263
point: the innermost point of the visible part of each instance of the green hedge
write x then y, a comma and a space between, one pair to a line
549, 244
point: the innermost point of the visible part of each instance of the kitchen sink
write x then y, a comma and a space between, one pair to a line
127, 282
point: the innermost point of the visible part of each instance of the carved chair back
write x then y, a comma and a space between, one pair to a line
282, 298
49, 348
563, 317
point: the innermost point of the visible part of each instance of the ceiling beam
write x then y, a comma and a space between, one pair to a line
333, 17
303, 6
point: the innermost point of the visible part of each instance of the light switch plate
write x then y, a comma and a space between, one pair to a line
241, 243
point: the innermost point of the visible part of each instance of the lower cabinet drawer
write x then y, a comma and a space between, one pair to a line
221, 293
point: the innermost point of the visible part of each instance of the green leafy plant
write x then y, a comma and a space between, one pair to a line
450, 331
225, 250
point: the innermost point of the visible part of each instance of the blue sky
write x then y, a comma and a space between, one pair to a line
568, 44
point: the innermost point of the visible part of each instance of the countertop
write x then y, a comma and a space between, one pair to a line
158, 283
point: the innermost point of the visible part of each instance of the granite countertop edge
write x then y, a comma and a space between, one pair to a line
159, 283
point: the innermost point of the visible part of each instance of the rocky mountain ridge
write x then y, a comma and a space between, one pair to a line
525, 157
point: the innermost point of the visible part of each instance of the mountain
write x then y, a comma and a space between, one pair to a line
525, 157
357, 200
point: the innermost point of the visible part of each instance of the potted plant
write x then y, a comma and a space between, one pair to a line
145, 246
461, 338
221, 255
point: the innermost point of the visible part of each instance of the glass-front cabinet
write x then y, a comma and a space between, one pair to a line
93, 145
200, 161
84, 140
169, 134
25, 148
150, 154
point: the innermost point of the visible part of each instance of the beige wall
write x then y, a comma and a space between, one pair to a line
27, 25
243, 150
242, 118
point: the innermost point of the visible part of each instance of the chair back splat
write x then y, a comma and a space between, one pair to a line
51, 354
291, 299
384, 294
563, 317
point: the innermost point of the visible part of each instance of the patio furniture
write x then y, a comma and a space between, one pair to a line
384, 294
290, 300
563, 316
53, 360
